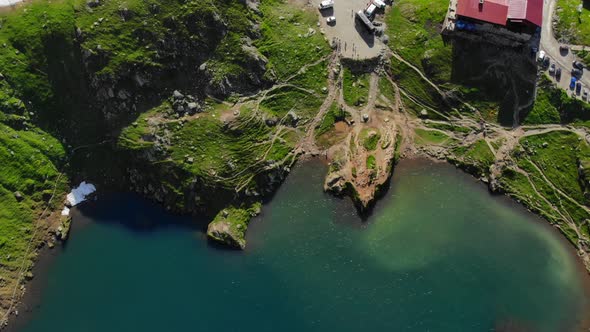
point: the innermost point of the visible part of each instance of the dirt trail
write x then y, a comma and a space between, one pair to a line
418, 71
308, 144
363, 160
350, 155
373, 90
557, 190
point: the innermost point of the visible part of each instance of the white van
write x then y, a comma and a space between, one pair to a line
379, 3
326, 4
370, 11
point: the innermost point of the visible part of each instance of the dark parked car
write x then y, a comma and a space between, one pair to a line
578, 87
573, 83
578, 64
546, 62
558, 74
576, 73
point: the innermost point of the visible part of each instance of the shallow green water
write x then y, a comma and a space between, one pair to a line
439, 254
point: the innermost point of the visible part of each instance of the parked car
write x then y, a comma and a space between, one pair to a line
552, 69
558, 74
546, 62
331, 19
576, 73
534, 51
541, 55
379, 3
370, 11
326, 4
578, 87
573, 83
578, 64
585, 94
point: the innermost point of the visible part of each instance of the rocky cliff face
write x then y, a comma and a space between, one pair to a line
193, 48
153, 96
173, 52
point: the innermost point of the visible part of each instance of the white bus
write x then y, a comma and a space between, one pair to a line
360, 15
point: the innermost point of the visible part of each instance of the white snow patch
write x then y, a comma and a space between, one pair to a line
65, 211
79, 194
6, 3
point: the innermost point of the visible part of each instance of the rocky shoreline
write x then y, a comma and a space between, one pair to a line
29, 299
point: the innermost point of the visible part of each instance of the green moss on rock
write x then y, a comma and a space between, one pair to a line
230, 224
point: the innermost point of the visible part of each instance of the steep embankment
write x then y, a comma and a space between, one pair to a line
32, 179
204, 155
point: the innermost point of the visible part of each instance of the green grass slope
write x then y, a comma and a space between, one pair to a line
573, 26
555, 185
30, 182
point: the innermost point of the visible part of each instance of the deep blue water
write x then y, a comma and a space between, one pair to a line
438, 254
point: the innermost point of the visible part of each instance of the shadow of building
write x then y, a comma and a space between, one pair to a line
496, 75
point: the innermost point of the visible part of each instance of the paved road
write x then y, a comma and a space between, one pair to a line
355, 42
551, 47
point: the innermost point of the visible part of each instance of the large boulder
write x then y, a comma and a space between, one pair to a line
335, 183
230, 224
222, 231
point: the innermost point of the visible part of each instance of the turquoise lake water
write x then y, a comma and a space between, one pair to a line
438, 254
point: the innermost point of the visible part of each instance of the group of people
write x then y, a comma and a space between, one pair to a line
338, 43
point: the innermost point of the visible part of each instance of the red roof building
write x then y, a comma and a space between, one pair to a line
502, 12
526, 10
492, 11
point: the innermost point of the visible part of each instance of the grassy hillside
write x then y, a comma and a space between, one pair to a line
32, 158
30, 182
290, 38
227, 149
464, 71
554, 105
414, 30
554, 184
75, 73
355, 87
572, 26
237, 150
